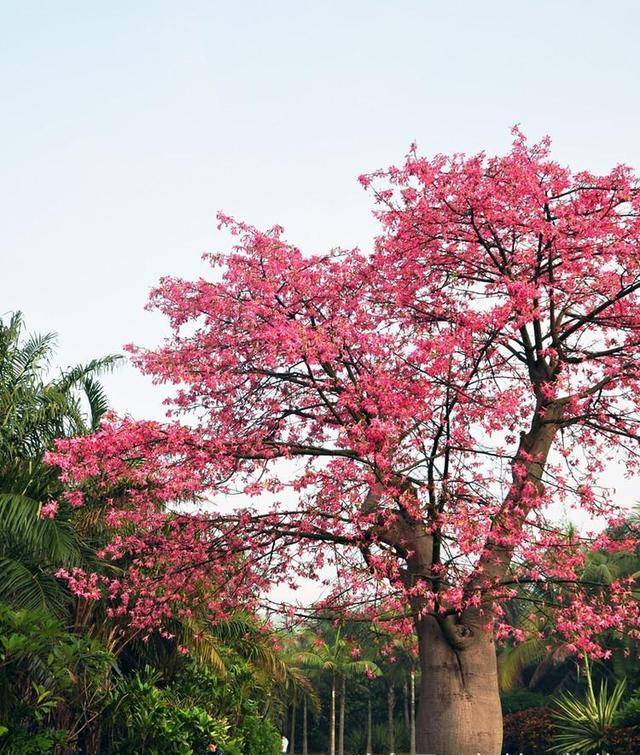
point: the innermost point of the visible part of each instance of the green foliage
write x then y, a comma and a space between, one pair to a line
238, 696
630, 713
56, 686
259, 736
521, 698
25, 743
356, 738
584, 724
197, 707
335, 657
146, 718
512, 660
35, 409
42, 667
31, 550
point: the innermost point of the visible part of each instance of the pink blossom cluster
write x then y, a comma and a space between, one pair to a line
408, 418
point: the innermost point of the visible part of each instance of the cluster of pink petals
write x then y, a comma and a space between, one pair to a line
363, 402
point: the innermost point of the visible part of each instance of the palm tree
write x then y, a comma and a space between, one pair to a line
399, 673
35, 409
338, 658
296, 685
412, 717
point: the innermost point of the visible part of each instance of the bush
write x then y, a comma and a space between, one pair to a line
522, 699
47, 676
630, 713
18, 742
259, 736
202, 687
585, 723
148, 719
528, 731
624, 740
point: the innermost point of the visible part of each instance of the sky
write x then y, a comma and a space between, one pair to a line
126, 126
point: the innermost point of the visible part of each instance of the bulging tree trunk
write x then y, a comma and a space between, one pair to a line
459, 711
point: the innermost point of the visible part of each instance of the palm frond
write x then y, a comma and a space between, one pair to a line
512, 661
53, 540
30, 588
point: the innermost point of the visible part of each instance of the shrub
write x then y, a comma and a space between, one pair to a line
528, 731
148, 719
623, 740
259, 736
226, 697
584, 724
630, 713
522, 698
47, 675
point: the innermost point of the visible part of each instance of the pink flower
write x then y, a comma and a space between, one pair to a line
49, 510
474, 371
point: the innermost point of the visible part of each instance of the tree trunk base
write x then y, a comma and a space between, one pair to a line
459, 711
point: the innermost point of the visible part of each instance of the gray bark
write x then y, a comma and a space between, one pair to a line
305, 729
292, 743
391, 701
459, 710
343, 690
332, 719
412, 735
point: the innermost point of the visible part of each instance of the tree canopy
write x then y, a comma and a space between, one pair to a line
435, 397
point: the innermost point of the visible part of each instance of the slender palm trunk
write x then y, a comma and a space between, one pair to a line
369, 727
412, 735
305, 730
391, 701
332, 719
343, 689
292, 741
405, 703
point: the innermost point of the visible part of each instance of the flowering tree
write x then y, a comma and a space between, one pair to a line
413, 416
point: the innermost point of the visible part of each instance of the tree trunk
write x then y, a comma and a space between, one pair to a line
391, 701
343, 689
459, 710
369, 727
305, 730
332, 719
405, 703
412, 717
292, 742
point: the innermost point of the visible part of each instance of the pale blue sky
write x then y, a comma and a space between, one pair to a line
126, 125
